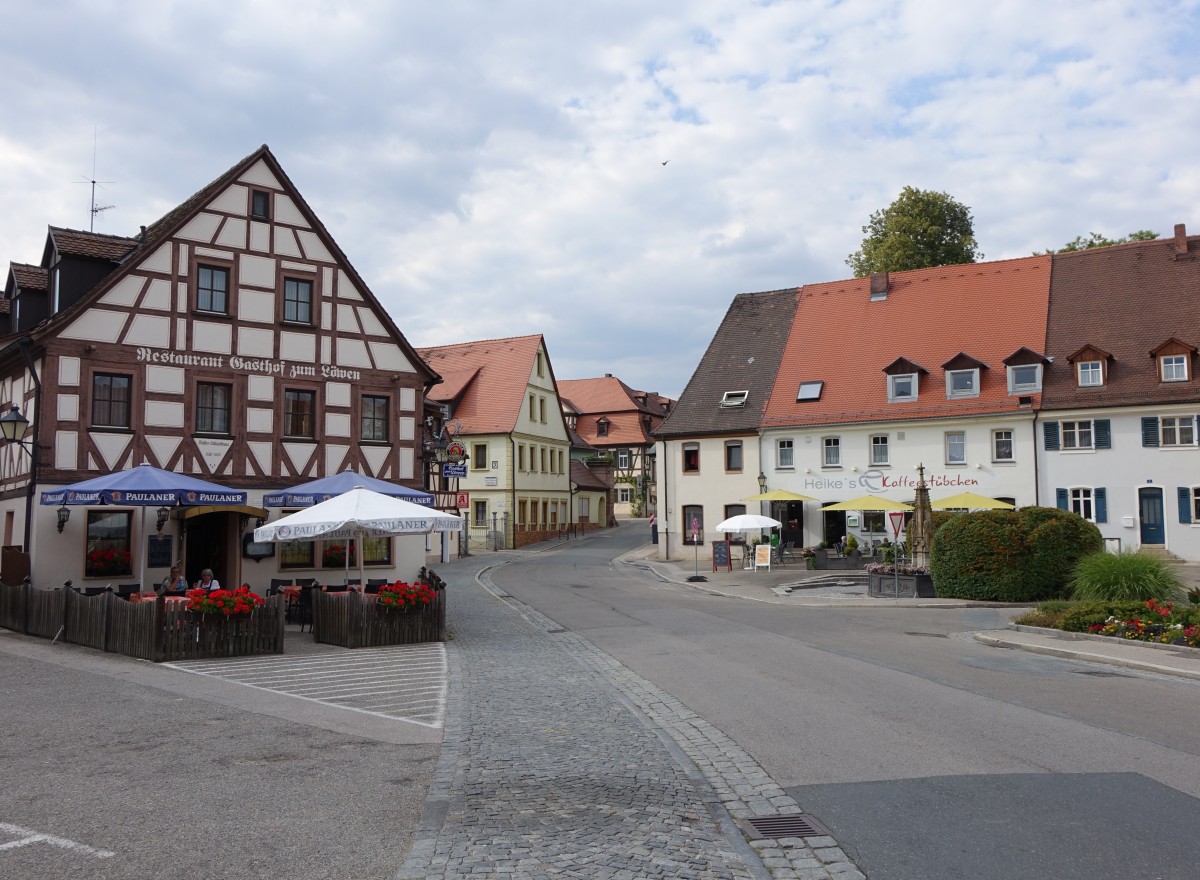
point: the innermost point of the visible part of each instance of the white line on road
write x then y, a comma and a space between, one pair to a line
25, 837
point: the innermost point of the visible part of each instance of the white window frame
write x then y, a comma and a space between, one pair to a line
1168, 364
785, 446
734, 398
1179, 427
1082, 500
1196, 505
876, 446
810, 390
893, 396
962, 436
1075, 431
973, 391
834, 445
1087, 371
1015, 387
623, 459
1012, 449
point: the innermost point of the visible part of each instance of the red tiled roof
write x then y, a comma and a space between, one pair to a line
498, 371
29, 277
610, 398
586, 478
839, 336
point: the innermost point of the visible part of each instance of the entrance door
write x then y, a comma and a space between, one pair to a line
1150, 506
207, 547
835, 526
793, 523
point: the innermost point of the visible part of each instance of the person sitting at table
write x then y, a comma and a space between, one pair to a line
174, 582
207, 581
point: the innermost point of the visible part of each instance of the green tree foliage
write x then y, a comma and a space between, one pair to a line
1024, 555
919, 230
1095, 240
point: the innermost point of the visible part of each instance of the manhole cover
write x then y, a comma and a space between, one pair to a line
791, 825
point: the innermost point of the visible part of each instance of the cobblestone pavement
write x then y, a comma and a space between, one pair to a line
559, 762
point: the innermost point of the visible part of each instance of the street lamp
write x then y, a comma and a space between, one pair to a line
13, 426
762, 482
164, 514
64, 514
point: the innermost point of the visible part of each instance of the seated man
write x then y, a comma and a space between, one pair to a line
174, 582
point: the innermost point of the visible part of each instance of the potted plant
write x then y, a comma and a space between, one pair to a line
108, 561
229, 603
851, 546
335, 556
809, 555
402, 596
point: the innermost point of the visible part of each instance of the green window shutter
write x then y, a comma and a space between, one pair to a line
1050, 433
1061, 499
1100, 499
1185, 504
1149, 430
1102, 433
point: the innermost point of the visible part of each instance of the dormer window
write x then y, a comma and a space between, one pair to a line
1024, 378
903, 377
734, 399
1174, 360
902, 387
1174, 368
1091, 373
962, 383
1025, 368
810, 391
1091, 366
602, 428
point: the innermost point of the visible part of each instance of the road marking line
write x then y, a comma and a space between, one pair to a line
27, 837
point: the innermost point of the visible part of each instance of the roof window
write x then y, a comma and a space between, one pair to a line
810, 390
734, 398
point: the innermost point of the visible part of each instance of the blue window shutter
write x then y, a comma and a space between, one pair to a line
1050, 432
1149, 430
1060, 497
1100, 497
1102, 433
1185, 504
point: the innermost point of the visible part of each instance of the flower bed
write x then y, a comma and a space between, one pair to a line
403, 596
226, 602
1160, 623
900, 581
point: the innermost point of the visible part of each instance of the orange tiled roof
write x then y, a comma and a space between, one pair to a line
612, 399
491, 378
985, 310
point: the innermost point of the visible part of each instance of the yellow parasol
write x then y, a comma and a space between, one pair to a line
779, 495
971, 501
868, 502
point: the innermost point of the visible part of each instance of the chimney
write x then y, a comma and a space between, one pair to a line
1180, 241
879, 286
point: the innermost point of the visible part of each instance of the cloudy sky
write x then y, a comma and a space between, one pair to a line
496, 168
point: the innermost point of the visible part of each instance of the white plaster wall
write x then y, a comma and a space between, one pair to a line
256, 271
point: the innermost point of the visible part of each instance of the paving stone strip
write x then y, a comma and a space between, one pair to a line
559, 762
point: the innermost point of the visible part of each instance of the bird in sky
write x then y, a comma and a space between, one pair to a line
668, 160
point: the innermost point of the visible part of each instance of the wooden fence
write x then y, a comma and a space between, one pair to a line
157, 630
355, 620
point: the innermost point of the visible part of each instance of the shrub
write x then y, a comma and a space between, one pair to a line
1125, 576
1048, 614
1024, 555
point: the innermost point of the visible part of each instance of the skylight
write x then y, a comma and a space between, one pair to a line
734, 398
810, 390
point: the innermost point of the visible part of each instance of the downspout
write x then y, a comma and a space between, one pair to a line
35, 451
1037, 481
666, 504
512, 509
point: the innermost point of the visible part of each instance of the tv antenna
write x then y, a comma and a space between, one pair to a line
95, 209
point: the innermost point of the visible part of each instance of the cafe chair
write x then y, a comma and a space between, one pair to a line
373, 584
277, 585
785, 552
304, 607
127, 590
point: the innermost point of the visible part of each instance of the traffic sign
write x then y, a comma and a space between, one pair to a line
454, 470
897, 518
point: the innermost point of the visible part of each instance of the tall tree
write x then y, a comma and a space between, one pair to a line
919, 230
1095, 240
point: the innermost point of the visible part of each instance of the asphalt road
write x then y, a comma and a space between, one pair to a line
116, 769
928, 754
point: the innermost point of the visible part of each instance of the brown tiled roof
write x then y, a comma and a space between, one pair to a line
29, 277
744, 355
499, 371
1124, 300
840, 337
586, 478
78, 243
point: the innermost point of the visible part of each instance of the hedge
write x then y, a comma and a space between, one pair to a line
1024, 555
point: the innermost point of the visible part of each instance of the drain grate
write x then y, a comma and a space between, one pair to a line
554, 632
1100, 673
791, 825
930, 635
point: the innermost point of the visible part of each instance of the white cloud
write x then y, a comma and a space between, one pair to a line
494, 169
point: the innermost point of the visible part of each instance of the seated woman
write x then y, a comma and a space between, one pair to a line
174, 582
207, 581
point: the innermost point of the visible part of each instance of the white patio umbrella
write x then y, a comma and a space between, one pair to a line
747, 522
359, 513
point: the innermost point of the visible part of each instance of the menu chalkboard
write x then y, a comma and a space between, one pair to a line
720, 555
158, 551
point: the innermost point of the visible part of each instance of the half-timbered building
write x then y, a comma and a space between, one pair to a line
231, 340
